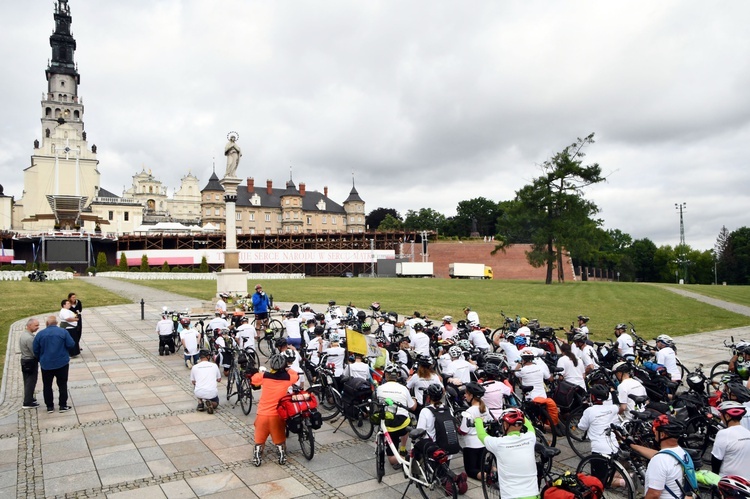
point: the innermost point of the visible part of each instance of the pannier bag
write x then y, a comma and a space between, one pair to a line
566, 394
295, 403
357, 388
571, 486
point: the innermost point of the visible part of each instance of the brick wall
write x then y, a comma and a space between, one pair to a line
509, 265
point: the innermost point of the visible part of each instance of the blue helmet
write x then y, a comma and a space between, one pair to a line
519, 340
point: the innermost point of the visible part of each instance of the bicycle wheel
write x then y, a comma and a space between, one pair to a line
380, 457
722, 367
542, 420
277, 327
329, 402
495, 336
423, 472
246, 396
490, 486
307, 441
543, 466
265, 346
699, 434
577, 439
616, 480
177, 342
232, 383
362, 425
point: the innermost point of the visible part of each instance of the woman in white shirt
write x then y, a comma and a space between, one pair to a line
470, 443
423, 378
573, 370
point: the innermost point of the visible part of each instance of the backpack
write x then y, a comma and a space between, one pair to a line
446, 433
689, 485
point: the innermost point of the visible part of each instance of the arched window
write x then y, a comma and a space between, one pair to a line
48, 112
57, 112
76, 115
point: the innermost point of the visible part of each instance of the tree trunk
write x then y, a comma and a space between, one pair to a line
560, 269
550, 261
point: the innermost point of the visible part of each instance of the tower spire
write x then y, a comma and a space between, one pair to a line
63, 44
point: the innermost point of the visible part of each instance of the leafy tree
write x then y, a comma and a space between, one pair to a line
144, 263
123, 262
376, 216
101, 262
479, 212
642, 253
165, 267
424, 219
204, 265
722, 256
665, 262
390, 223
554, 207
737, 257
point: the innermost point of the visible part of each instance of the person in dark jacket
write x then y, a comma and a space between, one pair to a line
51, 346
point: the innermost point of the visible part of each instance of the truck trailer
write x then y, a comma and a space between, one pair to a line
469, 271
414, 269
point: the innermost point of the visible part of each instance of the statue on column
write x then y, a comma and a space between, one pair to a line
233, 153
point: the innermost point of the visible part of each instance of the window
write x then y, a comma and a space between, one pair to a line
278, 217
111, 215
126, 216
268, 230
286, 215
309, 220
238, 216
216, 212
359, 219
324, 220
351, 220
252, 231
217, 197
287, 201
268, 217
333, 219
296, 215
208, 212
252, 217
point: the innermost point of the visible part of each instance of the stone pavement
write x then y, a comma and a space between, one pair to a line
134, 431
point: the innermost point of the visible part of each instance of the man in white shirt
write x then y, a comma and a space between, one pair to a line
221, 304
218, 322
584, 352
731, 450
189, 338
596, 420
447, 330
478, 339
524, 329
306, 314
398, 427
459, 367
164, 329
410, 323
420, 342
293, 331
583, 325
204, 376
624, 342
628, 386
666, 356
246, 333
471, 316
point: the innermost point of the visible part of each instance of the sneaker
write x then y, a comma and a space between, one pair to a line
201, 407
50, 410
33, 405
282, 454
256, 456
210, 407
65, 408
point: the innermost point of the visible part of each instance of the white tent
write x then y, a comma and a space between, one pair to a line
209, 227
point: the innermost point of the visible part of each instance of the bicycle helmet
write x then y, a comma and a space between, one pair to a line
527, 355
277, 362
740, 392
319, 330
511, 416
742, 347
583, 318
281, 342
666, 339
425, 361
734, 486
519, 341
524, 321
464, 345
475, 389
621, 326
435, 391
733, 409
494, 358
599, 393
289, 355
334, 337
418, 327
455, 351
375, 306
447, 318
492, 371
580, 338
224, 295
366, 326
185, 321
474, 324
361, 315
331, 303
621, 367
668, 425
417, 315
392, 371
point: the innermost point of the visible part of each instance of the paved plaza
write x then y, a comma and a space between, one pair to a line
134, 430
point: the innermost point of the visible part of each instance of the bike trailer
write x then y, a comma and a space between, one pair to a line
296, 403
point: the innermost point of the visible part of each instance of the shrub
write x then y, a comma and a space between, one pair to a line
44, 266
91, 270
123, 262
144, 263
70, 269
165, 267
204, 265
101, 261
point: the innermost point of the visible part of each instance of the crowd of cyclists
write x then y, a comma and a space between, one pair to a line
501, 399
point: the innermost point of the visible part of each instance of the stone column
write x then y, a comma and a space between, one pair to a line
231, 279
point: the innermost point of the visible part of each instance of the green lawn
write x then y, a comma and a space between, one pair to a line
21, 299
653, 310
734, 294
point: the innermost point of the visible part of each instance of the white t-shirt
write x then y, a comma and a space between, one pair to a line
190, 338
419, 385
625, 345
630, 386
479, 340
410, 326
312, 349
666, 357
472, 317
359, 370
336, 356
205, 375
306, 316
221, 306
445, 333
164, 327
292, 328
534, 375
467, 436
427, 421
572, 374
388, 329
523, 331
398, 393
246, 333
732, 445
596, 419
494, 396
67, 315
217, 323
587, 355
421, 343
746, 419
461, 369
516, 465
664, 471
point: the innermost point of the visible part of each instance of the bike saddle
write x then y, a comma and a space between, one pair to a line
417, 433
643, 416
526, 389
556, 370
546, 452
638, 399
672, 385
599, 343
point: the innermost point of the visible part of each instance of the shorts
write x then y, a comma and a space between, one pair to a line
295, 342
270, 425
194, 358
397, 434
261, 316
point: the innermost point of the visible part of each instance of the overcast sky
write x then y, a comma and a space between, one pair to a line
427, 103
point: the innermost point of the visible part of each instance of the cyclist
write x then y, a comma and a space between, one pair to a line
357, 368
495, 388
582, 326
473, 448
336, 355
218, 322
204, 376
531, 373
664, 474
596, 419
738, 392
189, 338
471, 316
246, 333
433, 397
584, 351
164, 329
420, 342
740, 361
666, 356
412, 322
627, 386
514, 454
293, 330
731, 451
275, 384
459, 368
624, 342
524, 329
573, 370
398, 427
447, 330
261, 308
316, 346
221, 304
307, 314
477, 337
422, 379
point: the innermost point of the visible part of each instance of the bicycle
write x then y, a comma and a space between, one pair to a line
357, 411
298, 408
329, 398
427, 467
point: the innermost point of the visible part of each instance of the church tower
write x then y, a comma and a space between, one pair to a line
63, 177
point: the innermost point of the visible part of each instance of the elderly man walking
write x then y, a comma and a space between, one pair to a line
29, 363
51, 347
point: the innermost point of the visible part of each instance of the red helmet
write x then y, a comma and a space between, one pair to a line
668, 425
185, 321
732, 409
511, 416
734, 486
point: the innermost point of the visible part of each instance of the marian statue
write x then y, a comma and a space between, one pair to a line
233, 153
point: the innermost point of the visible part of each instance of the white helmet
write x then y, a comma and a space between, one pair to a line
665, 338
447, 318
455, 351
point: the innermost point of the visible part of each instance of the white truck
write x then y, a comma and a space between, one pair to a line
414, 269
469, 271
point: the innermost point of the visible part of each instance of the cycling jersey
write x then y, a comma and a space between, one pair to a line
597, 419
667, 358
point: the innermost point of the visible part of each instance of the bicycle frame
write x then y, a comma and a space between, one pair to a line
405, 465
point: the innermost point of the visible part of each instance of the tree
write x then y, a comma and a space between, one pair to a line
165, 267
123, 262
376, 216
204, 265
390, 223
554, 207
721, 254
737, 257
424, 219
101, 262
478, 212
144, 263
